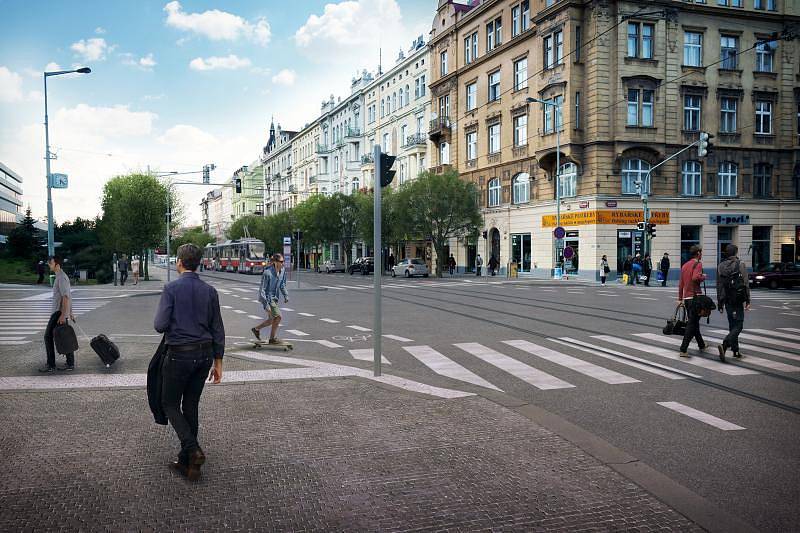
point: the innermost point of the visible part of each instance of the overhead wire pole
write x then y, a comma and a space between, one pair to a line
377, 262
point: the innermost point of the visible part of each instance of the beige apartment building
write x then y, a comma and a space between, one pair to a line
633, 82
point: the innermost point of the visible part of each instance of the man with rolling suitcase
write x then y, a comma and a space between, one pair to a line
189, 316
61, 310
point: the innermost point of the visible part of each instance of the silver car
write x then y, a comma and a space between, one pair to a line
332, 265
410, 267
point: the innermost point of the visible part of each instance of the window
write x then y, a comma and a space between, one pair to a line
394, 102
763, 117
635, 171
691, 112
553, 49
494, 34
408, 97
444, 154
692, 178
727, 121
401, 97
521, 74
383, 108
444, 106
420, 126
568, 180
690, 236
472, 145
553, 113
494, 138
578, 43
494, 192
526, 15
404, 133
729, 50
559, 36
761, 245
640, 40
494, 86
762, 180
419, 87
559, 111
577, 110
521, 188
764, 56
520, 18
386, 147
471, 48
472, 96
765, 4
640, 107
732, 3
515, 27
443, 63
726, 179
692, 49
521, 130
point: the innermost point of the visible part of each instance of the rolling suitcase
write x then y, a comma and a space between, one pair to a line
106, 349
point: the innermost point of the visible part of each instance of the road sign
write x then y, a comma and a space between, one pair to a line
58, 181
568, 252
287, 241
559, 232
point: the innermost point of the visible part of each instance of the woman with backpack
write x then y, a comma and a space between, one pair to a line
604, 269
733, 293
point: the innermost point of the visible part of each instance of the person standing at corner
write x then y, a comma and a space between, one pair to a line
733, 293
135, 264
272, 282
61, 309
493, 264
664, 267
688, 287
478, 265
189, 316
122, 266
391, 261
604, 269
451, 264
40, 272
647, 269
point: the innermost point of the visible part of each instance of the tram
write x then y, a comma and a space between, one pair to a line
243, 255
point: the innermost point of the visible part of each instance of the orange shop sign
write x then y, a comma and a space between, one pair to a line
621, 217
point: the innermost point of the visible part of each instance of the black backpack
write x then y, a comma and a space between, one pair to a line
735, 287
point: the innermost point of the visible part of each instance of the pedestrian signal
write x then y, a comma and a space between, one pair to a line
387, 174
651, 230
705, 146
640, 226
238, 184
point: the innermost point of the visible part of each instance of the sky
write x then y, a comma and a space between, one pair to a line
176, 84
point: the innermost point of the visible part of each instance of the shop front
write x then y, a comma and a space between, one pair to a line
521, 251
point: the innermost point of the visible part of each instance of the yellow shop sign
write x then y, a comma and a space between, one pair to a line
621, 217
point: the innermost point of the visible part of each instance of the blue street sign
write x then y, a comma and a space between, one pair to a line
568, 252
58, 181
559, 232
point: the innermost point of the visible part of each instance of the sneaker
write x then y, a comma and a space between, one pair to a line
47, 369
275, 341
256, 333
68, 368
721, 348
683, 354
703, 348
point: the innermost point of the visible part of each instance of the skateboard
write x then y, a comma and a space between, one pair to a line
283, 346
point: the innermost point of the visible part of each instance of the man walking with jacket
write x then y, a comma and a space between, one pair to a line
272, 282
733, 293
689, 286
189, 316
60, 311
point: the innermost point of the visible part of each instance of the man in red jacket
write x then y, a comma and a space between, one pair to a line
689, 286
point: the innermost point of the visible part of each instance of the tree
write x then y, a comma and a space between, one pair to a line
194, 236
393, 224
23, 240
440, 207
346, 221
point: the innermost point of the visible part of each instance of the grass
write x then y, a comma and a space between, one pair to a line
14, 270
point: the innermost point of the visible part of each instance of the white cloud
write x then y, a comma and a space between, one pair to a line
52, 66
145, 62
263, 71
285, 77
187, 136
218, 25
93, 49
10, 86
153, 97
100, 30
115, 121
230, 62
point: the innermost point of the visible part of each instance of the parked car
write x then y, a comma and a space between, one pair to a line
367, 266
355, 266
410, 267
333, 265
363, 265
775, 275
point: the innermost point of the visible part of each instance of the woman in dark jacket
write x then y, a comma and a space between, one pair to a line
647, 269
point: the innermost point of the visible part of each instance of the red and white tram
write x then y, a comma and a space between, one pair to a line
243, 255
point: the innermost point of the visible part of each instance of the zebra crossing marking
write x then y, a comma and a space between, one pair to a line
673, 355
775, 342
332, 287
359, 328
778, 334
573, 363
254, 317
366, 354
750, 359
329, 320
796, 330
297, 333
305, 314
533, 376
759, 349
706, 418
239, 311
661, 370
287, 309
227, 307
444, 366
398, 338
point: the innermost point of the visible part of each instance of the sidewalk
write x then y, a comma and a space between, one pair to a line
334, 454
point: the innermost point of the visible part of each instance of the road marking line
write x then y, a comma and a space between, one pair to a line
13, 343
446, 367
11, 338
360, 288
287, 309
779, 334
227, 307
305, 314
239, 311
751, 359
759, 349
673, 355
796, 330
785, 344
706, 418
533, 376
255, 301
366, 354
398, 338
297, 332
240, 289
644, 298
662, 370
254, 317
578, 365
359, 328
329, 320
329, 344
332, 287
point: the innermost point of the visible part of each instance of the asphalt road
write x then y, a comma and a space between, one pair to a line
590, 354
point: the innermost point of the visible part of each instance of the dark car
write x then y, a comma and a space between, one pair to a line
364, 265
355, 266
776, 275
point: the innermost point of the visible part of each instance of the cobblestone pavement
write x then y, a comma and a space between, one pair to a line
321, 455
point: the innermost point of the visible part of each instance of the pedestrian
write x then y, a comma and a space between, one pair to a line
273, 281
647, 269
40, 272
604, 269
478, 265
664, 267
189, 317
627, 270
733, 293
135, 265
123, 266
493, 264
451, 263
689, 287
636, 268
391, 261
60, 310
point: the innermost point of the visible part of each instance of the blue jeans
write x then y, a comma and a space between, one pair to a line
735, 325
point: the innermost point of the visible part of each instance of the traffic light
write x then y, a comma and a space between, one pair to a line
640, 226
387, 174
207, 172
485, 234
705, 146
238, 183
651, 230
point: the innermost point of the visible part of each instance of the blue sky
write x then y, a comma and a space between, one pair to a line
176, 85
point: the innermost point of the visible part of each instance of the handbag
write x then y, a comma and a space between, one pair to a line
65, 339
625, 279
606, 270
675, 325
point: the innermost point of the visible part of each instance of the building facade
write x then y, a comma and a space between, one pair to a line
214, 221
628, 84
250, 200
304, 153
280, 191
10, 201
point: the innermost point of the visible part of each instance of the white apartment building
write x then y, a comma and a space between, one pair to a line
304, 154
212, 208
280, 193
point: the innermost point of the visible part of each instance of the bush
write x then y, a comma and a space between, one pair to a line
104, 276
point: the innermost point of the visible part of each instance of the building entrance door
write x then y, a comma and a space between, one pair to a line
571, 264
494, 235
521, 251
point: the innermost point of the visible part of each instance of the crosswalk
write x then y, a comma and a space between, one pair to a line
21, 319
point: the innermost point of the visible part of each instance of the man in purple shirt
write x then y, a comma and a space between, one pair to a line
189, 316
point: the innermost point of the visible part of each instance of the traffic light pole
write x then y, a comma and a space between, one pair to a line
377, 262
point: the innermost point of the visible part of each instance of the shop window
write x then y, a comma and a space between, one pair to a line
725, 235
690, 236
761, 245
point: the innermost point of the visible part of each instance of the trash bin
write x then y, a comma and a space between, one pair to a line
513, 270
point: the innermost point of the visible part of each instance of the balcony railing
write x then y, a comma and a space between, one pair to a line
352, 132
323, 148
438, 126
367, 159
416, 139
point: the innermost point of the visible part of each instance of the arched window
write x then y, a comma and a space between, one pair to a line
762, 180
726, 178
444, 154
692, 178
355, 185
521, 188
494, 192
394, 102
568, 180
634, 170
408, 95
383, 108
401, 96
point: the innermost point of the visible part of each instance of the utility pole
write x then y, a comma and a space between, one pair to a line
377, 262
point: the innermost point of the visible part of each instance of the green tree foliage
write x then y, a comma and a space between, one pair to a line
77, 235
346, 223
393, 224
194, 235
24, 241
270, 229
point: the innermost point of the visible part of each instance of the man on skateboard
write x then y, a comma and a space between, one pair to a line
272, 281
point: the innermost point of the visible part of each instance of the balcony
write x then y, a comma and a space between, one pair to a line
441, 169
438, 127
519, 151
353, 165
416, 140
324, 149
352, 132
367, 159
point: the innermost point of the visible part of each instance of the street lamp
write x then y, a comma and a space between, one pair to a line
48, 156
557, 106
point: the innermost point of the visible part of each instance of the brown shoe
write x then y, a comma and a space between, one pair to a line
179, 468
196, 460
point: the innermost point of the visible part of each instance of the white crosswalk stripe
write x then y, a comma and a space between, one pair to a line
779, 334
359, 328
333, 288
329, 320
667, 372
366, 354
775, 342
446, 367
752, 348
297, 332
796, 330
304, 314
706, 418
398, 338
573, 363
537, 378
22, 318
